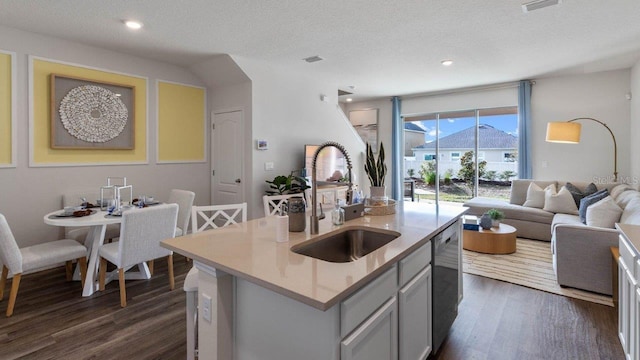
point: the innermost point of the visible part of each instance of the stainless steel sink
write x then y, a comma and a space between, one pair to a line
346, 244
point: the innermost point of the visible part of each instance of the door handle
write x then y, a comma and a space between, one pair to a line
238, 181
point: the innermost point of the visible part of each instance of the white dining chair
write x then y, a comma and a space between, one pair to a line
184, 199
35, 258
212, 216
273, 203
140, 236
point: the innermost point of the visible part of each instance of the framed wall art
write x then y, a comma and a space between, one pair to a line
89, 114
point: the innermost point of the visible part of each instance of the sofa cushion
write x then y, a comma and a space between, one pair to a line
535, 196
559, 202
578, 194
519, 189
565, 219
623, 199
480, 205
590, 200
631, 213
619, 189
605, 213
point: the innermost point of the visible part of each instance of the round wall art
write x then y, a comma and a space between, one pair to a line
93, 114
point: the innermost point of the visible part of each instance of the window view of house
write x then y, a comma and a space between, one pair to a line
457, 147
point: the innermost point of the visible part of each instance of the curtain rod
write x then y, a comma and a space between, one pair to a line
505, 85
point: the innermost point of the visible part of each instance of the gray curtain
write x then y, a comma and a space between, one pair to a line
524, 130
396, 150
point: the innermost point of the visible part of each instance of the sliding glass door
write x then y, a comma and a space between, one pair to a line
453, 156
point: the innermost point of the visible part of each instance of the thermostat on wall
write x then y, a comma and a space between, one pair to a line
262, 145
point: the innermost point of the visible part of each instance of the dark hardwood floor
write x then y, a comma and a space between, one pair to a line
52, 320
496, 320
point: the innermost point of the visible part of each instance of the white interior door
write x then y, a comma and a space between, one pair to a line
227, 154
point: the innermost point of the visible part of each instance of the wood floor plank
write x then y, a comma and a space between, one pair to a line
499, 320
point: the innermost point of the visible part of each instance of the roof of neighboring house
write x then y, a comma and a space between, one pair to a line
490, 138
412, 127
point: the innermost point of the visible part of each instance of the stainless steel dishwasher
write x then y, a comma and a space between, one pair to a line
445, 283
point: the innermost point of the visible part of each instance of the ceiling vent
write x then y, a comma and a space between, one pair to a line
538, 4
312, 59
342, 92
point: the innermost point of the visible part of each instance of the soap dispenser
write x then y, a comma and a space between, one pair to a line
337, 216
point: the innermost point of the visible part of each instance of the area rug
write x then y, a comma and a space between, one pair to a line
531, 266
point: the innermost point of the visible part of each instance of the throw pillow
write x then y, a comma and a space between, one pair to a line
590, 200
535, 196
560, 202
623, 199
605, 213
579, 194
619, 189
631, 213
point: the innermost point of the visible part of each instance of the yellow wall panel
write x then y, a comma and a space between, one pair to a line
43, 153
6, 141
181, 123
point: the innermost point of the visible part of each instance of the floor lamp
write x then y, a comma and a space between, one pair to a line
568, 132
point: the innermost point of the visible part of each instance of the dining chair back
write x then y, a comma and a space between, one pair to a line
184, 199
273, 203
142, 230
214, 216
79, 233
34, 258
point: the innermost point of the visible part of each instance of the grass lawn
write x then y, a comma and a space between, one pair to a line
460, 192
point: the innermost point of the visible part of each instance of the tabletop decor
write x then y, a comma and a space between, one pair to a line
90, 115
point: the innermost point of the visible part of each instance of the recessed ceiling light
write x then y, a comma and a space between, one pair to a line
349, 100
135, 25
447, 62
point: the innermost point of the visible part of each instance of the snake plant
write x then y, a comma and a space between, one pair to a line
376, 169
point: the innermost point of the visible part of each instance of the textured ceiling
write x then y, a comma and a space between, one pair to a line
384, 48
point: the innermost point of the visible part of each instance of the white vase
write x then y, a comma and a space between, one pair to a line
378, 197
495, 223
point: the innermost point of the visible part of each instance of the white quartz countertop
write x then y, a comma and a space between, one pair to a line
631, 233
249, 251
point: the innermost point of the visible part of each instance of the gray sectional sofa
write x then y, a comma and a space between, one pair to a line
581, 254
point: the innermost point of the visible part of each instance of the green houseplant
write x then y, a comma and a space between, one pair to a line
496, 216
291, 184
376, 170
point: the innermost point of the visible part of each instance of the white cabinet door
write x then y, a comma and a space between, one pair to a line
376, 338
627, 310
636, 322
414, 322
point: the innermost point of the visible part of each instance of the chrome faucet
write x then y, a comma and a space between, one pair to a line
314, 185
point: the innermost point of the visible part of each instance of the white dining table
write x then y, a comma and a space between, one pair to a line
97, 224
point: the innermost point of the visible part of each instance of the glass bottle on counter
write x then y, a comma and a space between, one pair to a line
337, 216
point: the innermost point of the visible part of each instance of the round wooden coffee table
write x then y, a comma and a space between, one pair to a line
497, 240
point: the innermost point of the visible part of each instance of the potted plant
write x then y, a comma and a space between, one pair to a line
496, 216
376, 170
291, 184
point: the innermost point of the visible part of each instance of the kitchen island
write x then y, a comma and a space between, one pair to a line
260, 300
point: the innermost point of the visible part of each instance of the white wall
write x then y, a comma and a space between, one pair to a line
229, 89
29, 193
598, 95
288, 113
634, 148
384, 107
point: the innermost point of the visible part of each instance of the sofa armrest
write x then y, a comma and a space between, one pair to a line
582, 258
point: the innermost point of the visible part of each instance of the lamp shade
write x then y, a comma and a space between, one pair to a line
563, 132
